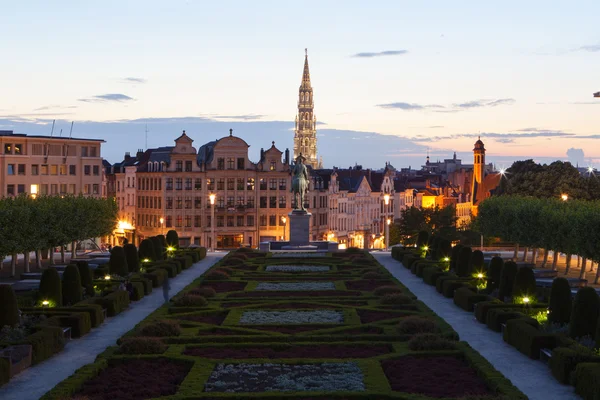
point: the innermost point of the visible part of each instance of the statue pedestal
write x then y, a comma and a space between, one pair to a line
299, 228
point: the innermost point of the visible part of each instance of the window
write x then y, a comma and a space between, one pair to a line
20, 189
272, 220
21, 169
63, 169
188, 166
54, 169
188, 183
86, 170
263, 184
250, 184
250, 202
230, 163
221, 184
282, 201
230, 201
10, 190
54, 189
169, 221
230, 220
11, 169
44, 189
230, 183
208, 221
272, 166
220, 221
272, 184
169, 203
197, 202
8, 148
93, 151
188, 203
96, 189
169, 184
240, 201
63, 188
210, 184
241, 163
263, 220
282, 184
197, 221
220, 163
188, 221
35, 169
220, 202
273, 202
178, 221
37, 149
198, 184
44, 169
96, 170
240, 220
178, 166
263, 201
240, 184
72, 189
178, 202
72, 169
84, 151
178, 183
19, 149
250, 220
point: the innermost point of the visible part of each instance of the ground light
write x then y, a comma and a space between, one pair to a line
107, 277
146, 260
480, 276
45, 303
525, 300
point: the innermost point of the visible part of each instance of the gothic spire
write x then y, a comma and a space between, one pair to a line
305, 138
306, 73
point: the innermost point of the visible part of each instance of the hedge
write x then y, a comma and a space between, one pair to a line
85, 274
560, 303
524, 284
9, 312
466, 298
157, 277
507, 278
495, 317
527, 338
71, 285
587, 381
132, 258
46, 341
118, 262
564, 360
51, 287
584, 316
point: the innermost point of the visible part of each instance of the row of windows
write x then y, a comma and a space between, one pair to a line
150, 202
52, 169
179, 221
222, 183
54, 188
231, 163
149, 184
38, 149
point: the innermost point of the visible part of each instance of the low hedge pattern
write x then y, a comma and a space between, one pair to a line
380, 318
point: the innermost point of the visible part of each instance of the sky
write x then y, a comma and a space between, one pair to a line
392, 80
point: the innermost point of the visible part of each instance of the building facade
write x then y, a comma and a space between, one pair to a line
47, 165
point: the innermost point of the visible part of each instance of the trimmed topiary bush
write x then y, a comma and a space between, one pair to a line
430, 342
422, 239
414, 325
131, 255
494, 273
524, 285
191, 300
159, 250
205, 292
560, 302
172, 239
372, 275
445, 249
216, 275
383, 290
71, 285
454, 256
507, 279
118, 262
585, 313
463, 264
163, 241
142, 345
51, 287
161, 329
396, 299
477, 262
85, 274
146, 251
9, 311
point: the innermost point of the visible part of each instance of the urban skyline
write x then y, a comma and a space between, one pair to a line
412, 79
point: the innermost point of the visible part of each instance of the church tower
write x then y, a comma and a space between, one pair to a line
305, 134
477, 189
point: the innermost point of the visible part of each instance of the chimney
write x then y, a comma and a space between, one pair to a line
287, 156
262, 154
139, 154
127, 156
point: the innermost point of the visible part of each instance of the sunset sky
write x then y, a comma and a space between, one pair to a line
433, 73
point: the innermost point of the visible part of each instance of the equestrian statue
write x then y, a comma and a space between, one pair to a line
299, 183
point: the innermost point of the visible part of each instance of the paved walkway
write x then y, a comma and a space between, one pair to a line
34, 382
532, 377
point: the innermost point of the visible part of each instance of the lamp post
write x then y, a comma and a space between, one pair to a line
284, 220
162, 226
386, 201
212, 197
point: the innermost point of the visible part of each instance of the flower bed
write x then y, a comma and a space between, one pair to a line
225, 286
295, 286
294, 329
222, 332
434, 376
296, 268
316, 293
367, 284
285, 306
367, 316
291, 317
330, 377
214, 319
136, 380
296, 351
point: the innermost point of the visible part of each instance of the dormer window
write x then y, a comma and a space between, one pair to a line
179, 166
273, 165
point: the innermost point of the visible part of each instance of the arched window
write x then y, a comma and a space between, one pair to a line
149, 167
155, 165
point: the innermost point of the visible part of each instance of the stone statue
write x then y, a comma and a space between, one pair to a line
299, 183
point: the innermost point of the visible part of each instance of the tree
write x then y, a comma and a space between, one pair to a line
71, 286
118, 262
51, 287
172, 238
131, 255
146, 251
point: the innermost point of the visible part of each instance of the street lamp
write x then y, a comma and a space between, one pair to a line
212, 197
284, 220
386, 201
162, 227
564, 197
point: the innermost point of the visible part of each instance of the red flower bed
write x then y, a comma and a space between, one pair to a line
223, 332
296, 278
364, 284
136, 380
434, 376
366, 330
214, 319
299, 351
291, 329
225, 286
367, 316
297, 293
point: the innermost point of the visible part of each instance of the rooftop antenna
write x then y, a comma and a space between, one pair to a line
71, 132
52, 131
60, 134
146, 136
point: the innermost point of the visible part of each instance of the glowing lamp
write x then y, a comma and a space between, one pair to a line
212, 198
386, 199
389, 221
170, 248
425, 248
526, 300
480, 276
446, 259
564, 197
146, 260
161, 220
107, 277
284, 220
45, 303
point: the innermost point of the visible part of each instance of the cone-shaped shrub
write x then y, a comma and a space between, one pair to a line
9, 311
507, 279
159, 251
454, 256
71, 285
85, 274
118, 262
173, 239
146, 251
163, 241
131, 255
463, 264
51, 287
494, 273
560, 302
524, 285
585, 313
422, 239
435, 248
477, 261
445, 249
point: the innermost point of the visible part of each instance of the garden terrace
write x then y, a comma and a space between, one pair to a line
258, 340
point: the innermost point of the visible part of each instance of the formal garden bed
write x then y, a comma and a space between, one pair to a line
239, 341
